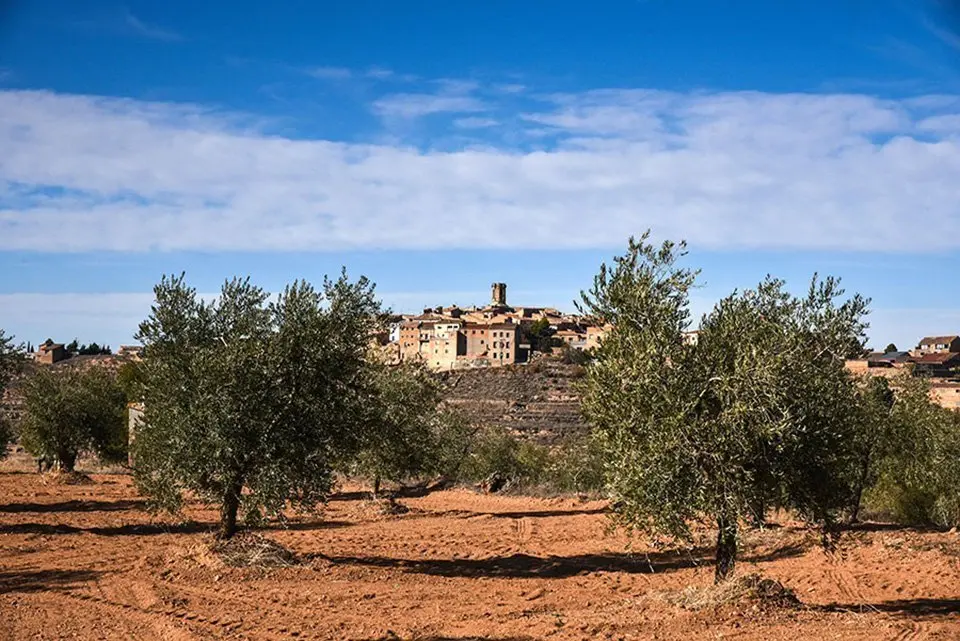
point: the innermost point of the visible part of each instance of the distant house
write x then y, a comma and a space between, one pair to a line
49, 353
573, 338
937, 345
888, 359
937, 364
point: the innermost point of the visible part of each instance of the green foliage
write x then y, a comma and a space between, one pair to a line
70, 411
577, 465
250, 404
76, 348
759, 410
496, 452
915, 469
11, 362
890, 348
875, 438
406, 425
131, 377
540, 336
574, 465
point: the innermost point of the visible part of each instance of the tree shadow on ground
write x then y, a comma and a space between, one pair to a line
404, 492
784, 552
75, 506
42, 580
527, 566
148, 529
917, 608
553, 567
136, 529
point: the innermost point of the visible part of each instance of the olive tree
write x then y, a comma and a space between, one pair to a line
73, 410
252, 402
758, 409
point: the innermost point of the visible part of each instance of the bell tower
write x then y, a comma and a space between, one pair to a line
498, 294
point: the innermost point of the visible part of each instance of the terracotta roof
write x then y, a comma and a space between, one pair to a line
942, 358
934, 340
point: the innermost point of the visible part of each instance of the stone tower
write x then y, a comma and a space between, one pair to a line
498, 294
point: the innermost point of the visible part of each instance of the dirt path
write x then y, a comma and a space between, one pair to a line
87, 562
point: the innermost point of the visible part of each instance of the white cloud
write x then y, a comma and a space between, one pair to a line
414, 105
723, 170
475, 123
330, 73
942, 124
150, 31
379, 73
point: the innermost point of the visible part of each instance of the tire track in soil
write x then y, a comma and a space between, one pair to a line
845, 582
262, 610
178, 623
915, 630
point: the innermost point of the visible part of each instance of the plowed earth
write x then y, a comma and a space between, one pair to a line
88, 562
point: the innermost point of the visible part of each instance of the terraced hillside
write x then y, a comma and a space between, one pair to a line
537, 400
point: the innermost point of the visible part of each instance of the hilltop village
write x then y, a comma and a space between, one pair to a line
449, 338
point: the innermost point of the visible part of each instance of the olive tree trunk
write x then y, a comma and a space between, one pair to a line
67, 460
726, 548
229, 509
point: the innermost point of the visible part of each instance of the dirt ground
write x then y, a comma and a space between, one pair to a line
88, 562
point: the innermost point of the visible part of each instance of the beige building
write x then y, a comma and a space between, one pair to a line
937, 345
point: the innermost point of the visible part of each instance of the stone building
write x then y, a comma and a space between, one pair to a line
49, 353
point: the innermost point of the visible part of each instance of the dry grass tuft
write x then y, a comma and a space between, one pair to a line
747, 589
247, 549
67, 478
379, 508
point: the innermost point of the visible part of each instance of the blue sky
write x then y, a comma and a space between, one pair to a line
436, 147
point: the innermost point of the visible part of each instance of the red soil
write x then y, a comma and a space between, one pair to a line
87, 562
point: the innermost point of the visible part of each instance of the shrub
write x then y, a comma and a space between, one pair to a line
69, 411
497, 453
577, 466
